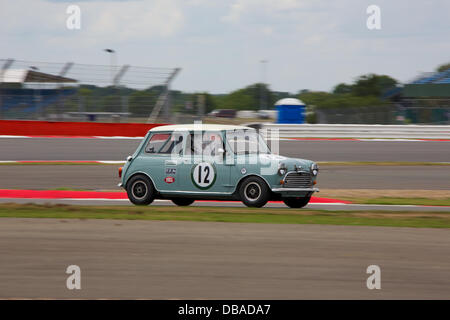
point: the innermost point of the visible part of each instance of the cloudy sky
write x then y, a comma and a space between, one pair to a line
309, 44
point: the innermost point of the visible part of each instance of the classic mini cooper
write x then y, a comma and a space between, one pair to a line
185, 163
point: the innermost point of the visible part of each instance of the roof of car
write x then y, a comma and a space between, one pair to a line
199, 127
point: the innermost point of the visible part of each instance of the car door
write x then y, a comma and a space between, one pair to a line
161, 158
203, 169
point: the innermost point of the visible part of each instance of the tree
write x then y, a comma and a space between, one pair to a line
141, 103
372, 85
443, 67
342, 88
325, 100
193, 99
248, 98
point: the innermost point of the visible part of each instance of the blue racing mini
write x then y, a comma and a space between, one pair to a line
185, 163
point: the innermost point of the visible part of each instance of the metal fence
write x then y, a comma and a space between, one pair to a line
387, 114
71, 91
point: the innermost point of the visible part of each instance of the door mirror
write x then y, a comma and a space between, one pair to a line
221, 151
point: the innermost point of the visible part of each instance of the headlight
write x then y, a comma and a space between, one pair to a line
314, 169
282, 169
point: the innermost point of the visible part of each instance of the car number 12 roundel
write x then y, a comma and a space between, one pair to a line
203, 175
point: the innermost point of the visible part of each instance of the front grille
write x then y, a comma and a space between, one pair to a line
298, 180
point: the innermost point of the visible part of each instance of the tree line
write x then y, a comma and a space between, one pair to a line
365, 91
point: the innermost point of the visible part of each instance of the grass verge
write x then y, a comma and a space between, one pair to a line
241, 215
404, 201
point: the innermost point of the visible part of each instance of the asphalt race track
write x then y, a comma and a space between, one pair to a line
202, 260
119, 149
105, 177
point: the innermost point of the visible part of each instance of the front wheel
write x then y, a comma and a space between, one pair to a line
140, 190
296, 202
254, 192
183, 201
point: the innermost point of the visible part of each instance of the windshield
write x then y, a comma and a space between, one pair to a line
246, 142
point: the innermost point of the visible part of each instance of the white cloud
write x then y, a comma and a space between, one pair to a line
309, 43
137, 20
241, 9
118, 20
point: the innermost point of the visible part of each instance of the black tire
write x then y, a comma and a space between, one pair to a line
183, 201
254, 192
140, 190
296, 202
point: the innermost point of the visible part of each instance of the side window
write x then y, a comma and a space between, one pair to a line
174, 145
165, 143
212, 141
191, 146
205, 144
156, 142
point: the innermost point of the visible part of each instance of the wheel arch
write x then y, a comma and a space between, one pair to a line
140, 173
242, 179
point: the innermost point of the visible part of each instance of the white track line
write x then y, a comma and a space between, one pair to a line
117, 137
111, 161
15, 137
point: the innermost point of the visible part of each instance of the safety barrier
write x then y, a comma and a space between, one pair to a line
360, 131
82, 129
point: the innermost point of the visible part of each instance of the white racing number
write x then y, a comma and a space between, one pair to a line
204, 175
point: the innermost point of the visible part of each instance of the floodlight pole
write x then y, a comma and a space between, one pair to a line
112, 62
261, 94
5, 67
116, 80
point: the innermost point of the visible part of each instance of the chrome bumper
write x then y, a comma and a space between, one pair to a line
120, 184
295, 190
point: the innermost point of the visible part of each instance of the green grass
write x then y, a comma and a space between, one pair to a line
241, 215
404, 201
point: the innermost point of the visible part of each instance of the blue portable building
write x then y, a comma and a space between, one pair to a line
290, 110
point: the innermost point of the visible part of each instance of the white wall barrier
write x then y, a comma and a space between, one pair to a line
358, 131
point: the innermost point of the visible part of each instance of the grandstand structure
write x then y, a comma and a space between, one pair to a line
72, 91
434, 77
431, 85
424, 100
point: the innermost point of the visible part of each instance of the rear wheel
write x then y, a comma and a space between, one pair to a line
140, 190
254, 192
296, 202
183, 201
